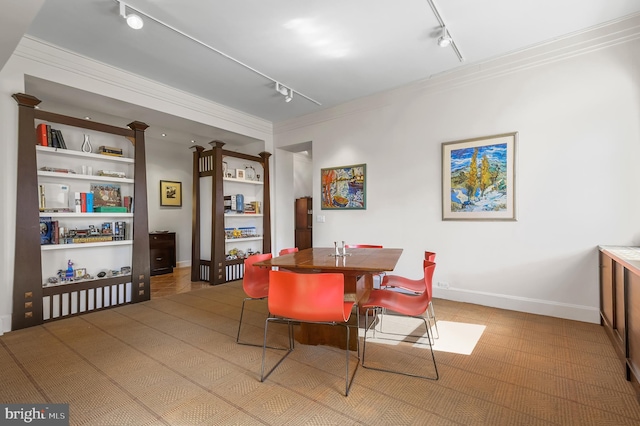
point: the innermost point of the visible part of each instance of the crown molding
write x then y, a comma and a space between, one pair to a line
37, 50
575, 44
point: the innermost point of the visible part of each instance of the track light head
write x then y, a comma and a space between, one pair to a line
133, 20
445, 39
284, 91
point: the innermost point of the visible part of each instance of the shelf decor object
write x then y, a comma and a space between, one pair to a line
37, 296
170, 193
479, 178
344, 187
231, 215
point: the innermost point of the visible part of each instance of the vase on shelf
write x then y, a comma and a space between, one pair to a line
86, 145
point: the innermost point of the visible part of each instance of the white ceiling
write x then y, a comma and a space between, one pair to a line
332, 51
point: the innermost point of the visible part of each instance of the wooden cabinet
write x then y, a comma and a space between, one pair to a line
620, 304
105, 270
162, 252
221, 232
304, 223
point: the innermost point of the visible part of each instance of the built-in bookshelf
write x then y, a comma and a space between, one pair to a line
225, 232
90, 258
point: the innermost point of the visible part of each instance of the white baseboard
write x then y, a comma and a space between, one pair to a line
5, 324
520, 304
183, 264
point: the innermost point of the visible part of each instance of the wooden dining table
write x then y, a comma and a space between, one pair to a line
358, 266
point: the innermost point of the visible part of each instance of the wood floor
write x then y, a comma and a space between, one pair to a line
175, 283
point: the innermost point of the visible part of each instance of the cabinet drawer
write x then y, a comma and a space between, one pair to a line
162, 252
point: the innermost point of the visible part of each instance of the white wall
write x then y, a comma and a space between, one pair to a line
579, 127
41, 60
168, 160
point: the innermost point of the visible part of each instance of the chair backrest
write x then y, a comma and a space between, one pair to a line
255, 281
430, 256
308, 297
361, 246
288, 250
429, 268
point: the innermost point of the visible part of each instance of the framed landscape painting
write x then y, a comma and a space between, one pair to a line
479, 178
344, 187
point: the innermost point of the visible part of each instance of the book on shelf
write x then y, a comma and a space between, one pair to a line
83, 202
46, 231
109, 150
106, 194
49, 143
89, 198
110, 209
41, 133
56, 170
77, 202
54, 139
60, 139
127, 202
111, 173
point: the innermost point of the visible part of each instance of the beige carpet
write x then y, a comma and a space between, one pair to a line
175, 361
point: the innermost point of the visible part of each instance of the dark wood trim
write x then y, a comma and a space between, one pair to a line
85, 124
209, 163
217, 274
27, 286
140, 269
195, 214
27, 270
266, 204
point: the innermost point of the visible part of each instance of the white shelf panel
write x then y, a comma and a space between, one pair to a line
76, 176
74, 153
250, 182
239, 240
50, 247
242, 215
84, 215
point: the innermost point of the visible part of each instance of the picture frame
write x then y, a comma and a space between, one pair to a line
484, 167
344, 187
79, 273
240, 174
170, 193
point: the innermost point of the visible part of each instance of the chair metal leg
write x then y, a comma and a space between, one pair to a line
364, 349
348, 382
240, 324
433, 315
348, 379
263, 377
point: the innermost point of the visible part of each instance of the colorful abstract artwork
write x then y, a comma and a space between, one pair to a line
478, 178
344, 187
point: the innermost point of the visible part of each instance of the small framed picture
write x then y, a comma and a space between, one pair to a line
79, 273
239, 173
170, 193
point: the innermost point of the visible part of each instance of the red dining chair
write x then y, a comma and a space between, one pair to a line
416, 286
310, 298
404, 304
255, 284
288, 250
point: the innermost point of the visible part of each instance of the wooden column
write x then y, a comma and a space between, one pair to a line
266, 203
218, 256
195, 214
27, 278
140, 268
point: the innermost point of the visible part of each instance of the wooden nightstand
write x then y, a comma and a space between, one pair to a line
162, 252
